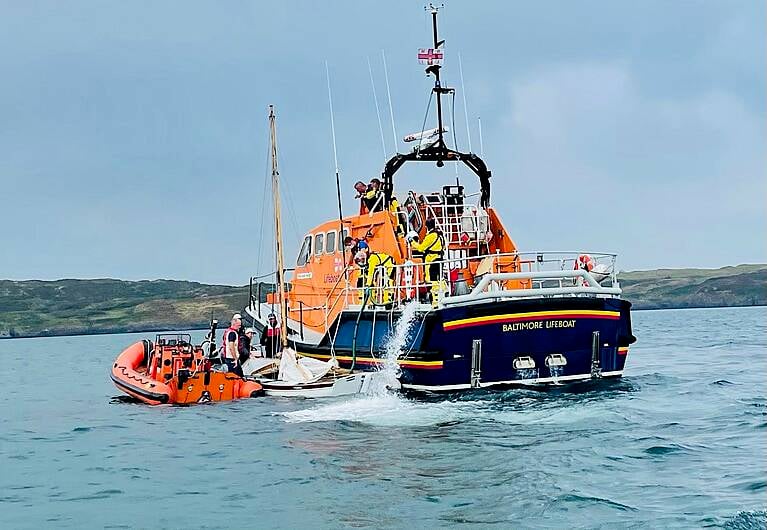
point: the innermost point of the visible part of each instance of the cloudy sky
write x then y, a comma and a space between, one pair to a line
133, 135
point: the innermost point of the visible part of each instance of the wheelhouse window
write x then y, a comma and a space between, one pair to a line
330, 242
319, 239
306, 250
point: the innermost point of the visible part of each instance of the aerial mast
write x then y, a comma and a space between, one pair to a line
434, 69
278, 229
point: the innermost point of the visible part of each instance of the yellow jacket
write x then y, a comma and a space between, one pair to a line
375, 260
432, 246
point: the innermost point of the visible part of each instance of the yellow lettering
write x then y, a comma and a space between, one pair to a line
537, 324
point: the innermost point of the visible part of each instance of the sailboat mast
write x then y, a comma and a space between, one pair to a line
278, 229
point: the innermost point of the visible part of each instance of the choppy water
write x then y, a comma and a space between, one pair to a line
679, 442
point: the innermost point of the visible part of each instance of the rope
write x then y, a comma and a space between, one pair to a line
261, 223
425, 117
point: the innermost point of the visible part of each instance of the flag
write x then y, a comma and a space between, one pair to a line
430, 56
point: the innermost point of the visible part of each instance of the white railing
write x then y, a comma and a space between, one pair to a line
456, 221
531, 273
489, 286
492, 277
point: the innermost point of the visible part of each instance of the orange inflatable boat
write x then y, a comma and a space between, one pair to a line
173, 371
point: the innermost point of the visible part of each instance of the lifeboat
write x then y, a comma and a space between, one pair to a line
476, 311
173, 371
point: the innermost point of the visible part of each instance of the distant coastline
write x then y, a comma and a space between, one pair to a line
35, 308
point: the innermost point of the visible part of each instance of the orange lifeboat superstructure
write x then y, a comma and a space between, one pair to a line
320, 287
173, 371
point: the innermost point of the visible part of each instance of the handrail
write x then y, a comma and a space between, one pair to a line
541, 268
537, 275
479, 293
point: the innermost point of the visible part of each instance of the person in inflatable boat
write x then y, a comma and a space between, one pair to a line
229, 348
244, 345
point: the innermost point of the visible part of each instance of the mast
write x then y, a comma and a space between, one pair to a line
438, 151
278, 229
434, 69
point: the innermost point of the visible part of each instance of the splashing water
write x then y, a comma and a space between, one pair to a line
394, 346
380, 406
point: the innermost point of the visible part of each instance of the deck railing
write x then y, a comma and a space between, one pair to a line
499, 276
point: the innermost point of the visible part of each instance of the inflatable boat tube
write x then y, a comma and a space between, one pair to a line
126, 375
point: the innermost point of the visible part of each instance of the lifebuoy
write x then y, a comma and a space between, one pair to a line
584, 262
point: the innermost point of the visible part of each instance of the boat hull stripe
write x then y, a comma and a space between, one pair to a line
536, 315
427, 365
513, 382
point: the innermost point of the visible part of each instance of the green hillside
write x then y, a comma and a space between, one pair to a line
63, 307
676, 288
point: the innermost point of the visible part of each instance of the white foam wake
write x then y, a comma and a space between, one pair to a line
387, 410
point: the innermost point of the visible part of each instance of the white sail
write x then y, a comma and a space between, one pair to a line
302, 369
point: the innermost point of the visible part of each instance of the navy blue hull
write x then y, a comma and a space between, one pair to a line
520, 339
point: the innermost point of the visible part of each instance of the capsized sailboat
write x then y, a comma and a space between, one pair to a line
300, 375
488, 314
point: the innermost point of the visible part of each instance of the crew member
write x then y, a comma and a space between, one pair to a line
270, 337
354, 245
244, 344
229, 347
373, 197
379, 274
400, 219
360, 259
432, 248
361, 190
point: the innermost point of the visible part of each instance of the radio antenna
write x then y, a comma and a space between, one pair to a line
481, 146
335, 160
388, 94
378, 111
465, 109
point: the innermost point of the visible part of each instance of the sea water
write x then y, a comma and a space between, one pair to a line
679, 442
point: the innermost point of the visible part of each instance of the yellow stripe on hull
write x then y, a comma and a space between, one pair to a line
530, 316
371, 360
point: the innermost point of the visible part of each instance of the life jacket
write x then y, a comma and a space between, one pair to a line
224, 351
272, 340
435, 249
371, 199
376, 260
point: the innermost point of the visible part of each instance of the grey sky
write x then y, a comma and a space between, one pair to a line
133, 135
